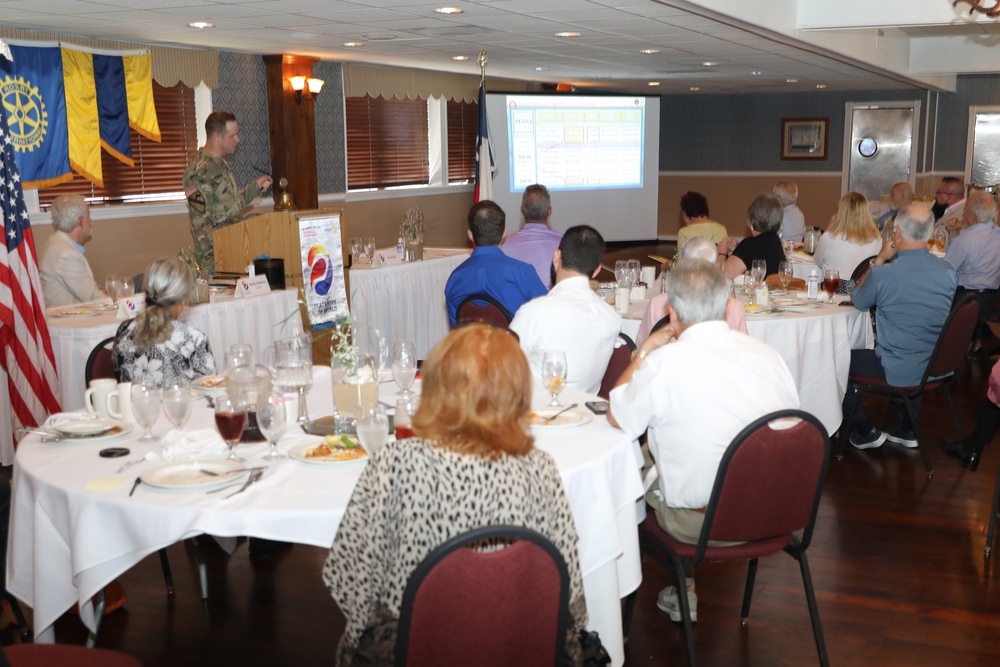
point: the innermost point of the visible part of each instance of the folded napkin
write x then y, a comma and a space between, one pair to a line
181, 446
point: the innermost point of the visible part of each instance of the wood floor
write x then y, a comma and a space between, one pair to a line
897, 561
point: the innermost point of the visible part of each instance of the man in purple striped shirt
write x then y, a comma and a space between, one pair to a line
535, 243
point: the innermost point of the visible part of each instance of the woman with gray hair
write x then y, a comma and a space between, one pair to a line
764, 217
155, 347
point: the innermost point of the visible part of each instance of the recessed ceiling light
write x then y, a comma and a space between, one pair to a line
821, 85
353, 45
541, 69
710, 63
201, 25
694, 88
756, 72
649, 52
567, 34
379, 38
653, 83
448, 10
791, 80
460, 57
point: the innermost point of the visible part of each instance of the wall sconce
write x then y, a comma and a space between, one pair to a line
307, 88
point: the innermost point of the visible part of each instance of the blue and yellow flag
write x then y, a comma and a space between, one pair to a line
82, 119
34, 100
112, 107
139, 87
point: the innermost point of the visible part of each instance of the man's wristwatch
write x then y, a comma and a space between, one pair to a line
639, 354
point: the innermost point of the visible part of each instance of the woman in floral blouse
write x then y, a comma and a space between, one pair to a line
155, 347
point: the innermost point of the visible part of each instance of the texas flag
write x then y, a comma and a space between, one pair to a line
485, 166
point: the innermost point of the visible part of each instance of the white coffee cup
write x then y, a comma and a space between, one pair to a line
621, 299
120, 403
648, 275
95, 399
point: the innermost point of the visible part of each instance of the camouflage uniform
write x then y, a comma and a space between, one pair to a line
214, 201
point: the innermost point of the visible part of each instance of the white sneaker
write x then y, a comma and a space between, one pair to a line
667, 602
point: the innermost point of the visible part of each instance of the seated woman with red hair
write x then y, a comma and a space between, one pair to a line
471, 464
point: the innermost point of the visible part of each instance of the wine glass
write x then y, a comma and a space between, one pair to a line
369, 248
938, 239
831, 281
230, 419
785, 274
272, 421
759, 268
126, 287
355, 249
177, 403
750, 283
404, 365
370, 340
113, 286
373, 428
554, 374
146, 407
634, 269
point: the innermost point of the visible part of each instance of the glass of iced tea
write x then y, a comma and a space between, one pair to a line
230, 418
831, 281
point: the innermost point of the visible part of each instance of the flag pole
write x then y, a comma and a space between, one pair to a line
484, 153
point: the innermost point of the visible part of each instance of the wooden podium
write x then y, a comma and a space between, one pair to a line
275, 234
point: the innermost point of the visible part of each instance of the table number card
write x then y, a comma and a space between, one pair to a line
130, 306
254, 286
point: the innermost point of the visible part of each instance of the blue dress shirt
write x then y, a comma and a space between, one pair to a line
489, 271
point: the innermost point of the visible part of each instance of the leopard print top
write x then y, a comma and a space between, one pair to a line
411, 498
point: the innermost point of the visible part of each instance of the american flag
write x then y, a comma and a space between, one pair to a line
27, 350
484, 152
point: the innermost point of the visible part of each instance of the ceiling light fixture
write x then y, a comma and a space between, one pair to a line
710, 63
694, 88
567, 34
756, 72
353, 45
653, 83
305, 87
791, 80
649, 52
448, 10
821, 86
541, 69
201, 25
460, 57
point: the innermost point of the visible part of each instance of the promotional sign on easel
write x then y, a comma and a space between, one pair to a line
323, 268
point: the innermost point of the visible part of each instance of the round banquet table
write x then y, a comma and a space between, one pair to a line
74, 527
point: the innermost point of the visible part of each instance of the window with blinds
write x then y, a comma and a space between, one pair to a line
159, 167
463, 128
386, 142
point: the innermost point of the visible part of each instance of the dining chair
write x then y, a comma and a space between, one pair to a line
765, 498
508, 606
862, 269
63, 655
482, 308
946, 360
100, 363
621, 357
660, 323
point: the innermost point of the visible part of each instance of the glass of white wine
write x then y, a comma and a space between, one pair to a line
554, 374
785, 274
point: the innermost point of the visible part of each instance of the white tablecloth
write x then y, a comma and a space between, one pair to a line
256, 320
406, 301
69, 539
816, 346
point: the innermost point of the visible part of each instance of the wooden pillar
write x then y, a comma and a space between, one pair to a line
293, 130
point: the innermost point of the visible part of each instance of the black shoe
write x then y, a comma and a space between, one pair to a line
970, 461
966, 459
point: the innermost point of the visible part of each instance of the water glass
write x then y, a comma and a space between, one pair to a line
785, 274
113, 286
633, 267
146, 407
177, 403
240, 354
373, 428
404, 365
293, 369
759, 268
126, 287
368, 245
554, 374
750, 284
621, 273
272, 421
355, 249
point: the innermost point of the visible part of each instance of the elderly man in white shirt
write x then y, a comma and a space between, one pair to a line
571, 317
695, 384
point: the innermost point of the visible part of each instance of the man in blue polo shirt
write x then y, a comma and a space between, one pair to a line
913, 294
489, 271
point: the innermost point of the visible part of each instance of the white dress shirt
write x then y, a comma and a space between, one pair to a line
571, 318
695, 395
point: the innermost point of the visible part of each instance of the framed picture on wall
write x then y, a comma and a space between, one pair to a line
804, 138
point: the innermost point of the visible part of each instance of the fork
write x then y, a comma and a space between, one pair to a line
551, 417
252, 479
253, 471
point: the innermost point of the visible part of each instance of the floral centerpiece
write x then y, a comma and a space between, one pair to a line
412, 233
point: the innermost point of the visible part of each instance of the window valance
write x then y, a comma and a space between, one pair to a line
390, 82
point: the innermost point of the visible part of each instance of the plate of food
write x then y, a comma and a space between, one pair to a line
76, 311
195, 475
754, 312
331, 450
567, 419
213, 385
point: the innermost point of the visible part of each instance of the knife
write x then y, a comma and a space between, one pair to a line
138, 481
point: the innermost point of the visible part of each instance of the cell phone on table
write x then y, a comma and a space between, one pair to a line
598, 407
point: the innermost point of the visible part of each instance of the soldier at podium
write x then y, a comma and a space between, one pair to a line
214, 199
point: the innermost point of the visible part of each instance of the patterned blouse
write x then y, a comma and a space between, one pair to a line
411, 498
185, 355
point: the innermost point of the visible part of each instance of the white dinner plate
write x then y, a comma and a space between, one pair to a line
76, 311
60, 435
190, 475
213, 385
764, 315
83, 427
799, 308
565, 420
301, 453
